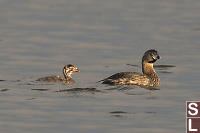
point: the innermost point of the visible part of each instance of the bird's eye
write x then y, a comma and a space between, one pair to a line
153, 56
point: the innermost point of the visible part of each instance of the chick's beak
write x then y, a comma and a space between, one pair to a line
76, 70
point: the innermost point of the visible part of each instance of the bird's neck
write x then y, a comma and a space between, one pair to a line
147, 69
67, 75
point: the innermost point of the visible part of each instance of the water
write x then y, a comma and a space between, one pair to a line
38, 37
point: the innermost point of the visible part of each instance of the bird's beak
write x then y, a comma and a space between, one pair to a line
76, 70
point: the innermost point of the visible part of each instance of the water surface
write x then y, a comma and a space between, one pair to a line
38, 37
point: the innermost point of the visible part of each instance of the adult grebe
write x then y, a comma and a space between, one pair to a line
149, 78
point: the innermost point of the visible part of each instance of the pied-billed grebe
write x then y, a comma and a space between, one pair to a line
67, 71
149, 78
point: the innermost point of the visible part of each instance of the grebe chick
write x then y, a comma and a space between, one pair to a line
149, 78
67, 72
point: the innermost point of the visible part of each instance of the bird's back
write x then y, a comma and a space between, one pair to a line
51, 79
127, 78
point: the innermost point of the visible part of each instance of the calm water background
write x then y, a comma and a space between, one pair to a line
37, 37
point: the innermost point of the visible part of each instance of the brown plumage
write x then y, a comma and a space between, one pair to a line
67, 71
149, 78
